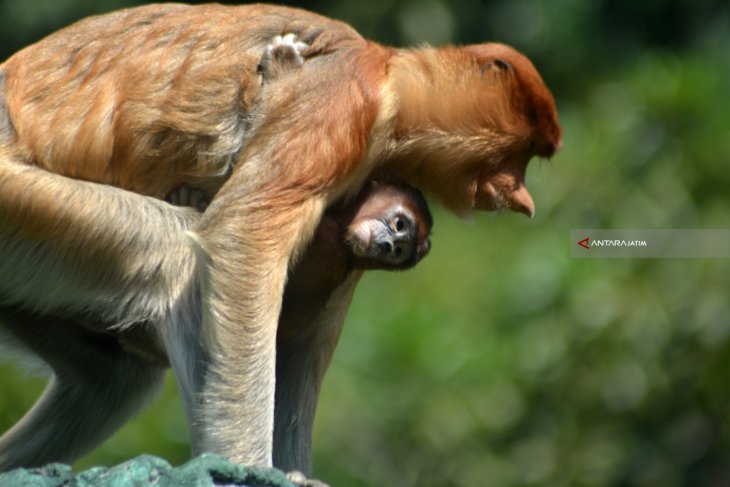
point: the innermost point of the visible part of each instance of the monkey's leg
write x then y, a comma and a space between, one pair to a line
301, 362
299, 368
95, 388
69, 245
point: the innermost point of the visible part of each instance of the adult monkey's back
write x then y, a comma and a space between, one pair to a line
153, 98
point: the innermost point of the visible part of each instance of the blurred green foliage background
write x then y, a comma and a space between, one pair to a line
500, 360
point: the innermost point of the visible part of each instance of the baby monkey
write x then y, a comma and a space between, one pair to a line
386, 227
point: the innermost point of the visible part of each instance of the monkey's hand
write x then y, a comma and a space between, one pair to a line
283, 55
187, 196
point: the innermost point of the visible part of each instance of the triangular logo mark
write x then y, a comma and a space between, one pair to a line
585, 242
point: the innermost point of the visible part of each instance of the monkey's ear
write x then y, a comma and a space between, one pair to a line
496, 65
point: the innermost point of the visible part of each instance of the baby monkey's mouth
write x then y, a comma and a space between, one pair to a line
360, 240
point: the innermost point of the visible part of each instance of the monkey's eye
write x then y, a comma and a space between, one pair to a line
400, 224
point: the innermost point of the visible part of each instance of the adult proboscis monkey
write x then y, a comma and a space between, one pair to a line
165, 96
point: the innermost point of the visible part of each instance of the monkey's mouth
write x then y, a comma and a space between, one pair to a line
360, 240
489, 196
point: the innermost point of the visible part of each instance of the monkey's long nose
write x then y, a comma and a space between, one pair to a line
521, 201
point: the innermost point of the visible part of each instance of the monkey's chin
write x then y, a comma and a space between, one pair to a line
489, 198
485, 197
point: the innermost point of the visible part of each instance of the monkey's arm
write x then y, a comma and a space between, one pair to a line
299, 159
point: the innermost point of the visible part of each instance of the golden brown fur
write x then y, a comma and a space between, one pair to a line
161, 96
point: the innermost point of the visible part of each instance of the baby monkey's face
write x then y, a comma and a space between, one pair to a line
390, 228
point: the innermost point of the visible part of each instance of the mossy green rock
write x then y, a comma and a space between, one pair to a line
145, 470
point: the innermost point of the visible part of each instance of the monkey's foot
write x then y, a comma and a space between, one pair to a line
298, 478
282, 55
287, 46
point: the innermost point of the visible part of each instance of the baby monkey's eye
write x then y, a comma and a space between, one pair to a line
400, 224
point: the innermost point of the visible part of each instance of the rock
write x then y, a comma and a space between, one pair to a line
204, 470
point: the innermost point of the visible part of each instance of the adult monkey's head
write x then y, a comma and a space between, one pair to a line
469, 120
